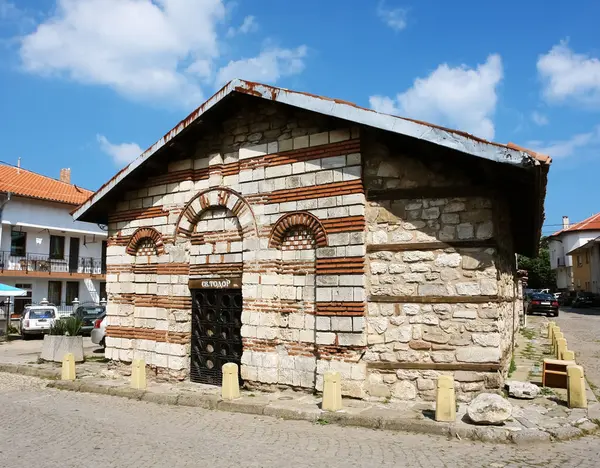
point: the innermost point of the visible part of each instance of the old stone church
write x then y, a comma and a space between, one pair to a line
296, 234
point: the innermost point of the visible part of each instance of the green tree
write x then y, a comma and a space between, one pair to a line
540, 275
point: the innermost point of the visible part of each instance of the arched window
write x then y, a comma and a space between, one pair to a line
145, 241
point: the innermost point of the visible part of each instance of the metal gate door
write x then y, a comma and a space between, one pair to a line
216, 337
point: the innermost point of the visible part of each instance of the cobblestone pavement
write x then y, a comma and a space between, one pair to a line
581, 328
49, 428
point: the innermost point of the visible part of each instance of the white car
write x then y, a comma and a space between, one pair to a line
99, 331
37, 320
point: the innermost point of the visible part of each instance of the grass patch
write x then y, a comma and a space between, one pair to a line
512, 368
322, 422
545, 391
101, 359
528, 333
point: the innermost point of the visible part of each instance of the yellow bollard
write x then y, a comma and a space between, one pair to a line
551, 325
332, 392
561, 347
568, 355
445, 400
138, 374
68, 367
230, 387
557, 336
576, 387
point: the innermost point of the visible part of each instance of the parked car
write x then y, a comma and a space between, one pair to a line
88, 314
99, 331
566, 298
542, 303
37, 320
583, 299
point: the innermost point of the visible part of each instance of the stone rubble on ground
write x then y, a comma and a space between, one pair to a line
489, 408
523, 390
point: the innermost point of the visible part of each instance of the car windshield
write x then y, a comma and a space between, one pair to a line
586, 295
41, 314
543, 297
90, 311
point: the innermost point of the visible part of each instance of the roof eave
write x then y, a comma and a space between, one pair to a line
335, 108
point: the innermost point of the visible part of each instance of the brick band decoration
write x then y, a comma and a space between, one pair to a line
221, 197
292, 220
144, 237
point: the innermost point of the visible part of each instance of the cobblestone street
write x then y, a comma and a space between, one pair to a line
581, 328
49, 428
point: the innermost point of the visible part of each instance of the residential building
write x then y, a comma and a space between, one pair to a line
586, 266
42, 249
295, 234
565, 241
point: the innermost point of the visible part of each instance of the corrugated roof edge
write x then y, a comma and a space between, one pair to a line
454, 139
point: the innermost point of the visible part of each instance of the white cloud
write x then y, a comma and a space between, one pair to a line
155, 50
461, 97
269, 66
122, 153
249, 25
539, 118
579, 143
395, 18
569, 76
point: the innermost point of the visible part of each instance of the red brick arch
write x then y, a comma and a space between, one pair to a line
145, 233
217, 197
301, 218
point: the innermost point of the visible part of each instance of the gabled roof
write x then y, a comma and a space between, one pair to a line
454, 139
25, 183
589, 224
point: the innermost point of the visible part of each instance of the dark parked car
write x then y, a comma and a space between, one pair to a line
583, 299
566, 298
541, 303
88, 315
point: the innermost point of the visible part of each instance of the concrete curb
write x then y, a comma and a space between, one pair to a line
366, 419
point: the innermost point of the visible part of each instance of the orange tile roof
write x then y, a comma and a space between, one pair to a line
590, 224
29, 184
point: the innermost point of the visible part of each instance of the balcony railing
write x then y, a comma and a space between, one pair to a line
41, 263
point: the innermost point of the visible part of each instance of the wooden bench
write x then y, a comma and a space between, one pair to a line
554, 373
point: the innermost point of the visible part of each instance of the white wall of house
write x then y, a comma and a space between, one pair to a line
41, 219
88, 289
559, 246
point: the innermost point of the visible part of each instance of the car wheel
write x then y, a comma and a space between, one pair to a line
25, 337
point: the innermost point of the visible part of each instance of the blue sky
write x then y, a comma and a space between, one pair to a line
86, 84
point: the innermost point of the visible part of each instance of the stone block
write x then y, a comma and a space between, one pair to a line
487, 339
448, 260
478, 354
404, 390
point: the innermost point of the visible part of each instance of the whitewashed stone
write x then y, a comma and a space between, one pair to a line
448, 260
417, 256
487, 339
489, 287
377, 324
465, 313
411, 309
404, 390
468, 289
478, 354
524, 390
489, 408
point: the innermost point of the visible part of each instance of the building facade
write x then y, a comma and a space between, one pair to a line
42, 250
586, 266
280, 234
573, 272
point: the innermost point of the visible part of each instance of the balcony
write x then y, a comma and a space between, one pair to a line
40, 265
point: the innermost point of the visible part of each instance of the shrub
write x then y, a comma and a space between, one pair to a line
70, 326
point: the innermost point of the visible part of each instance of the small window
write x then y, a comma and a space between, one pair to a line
102, 292
72, 291
18, 241
54, 292
57, 247
579, 262
587, 257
